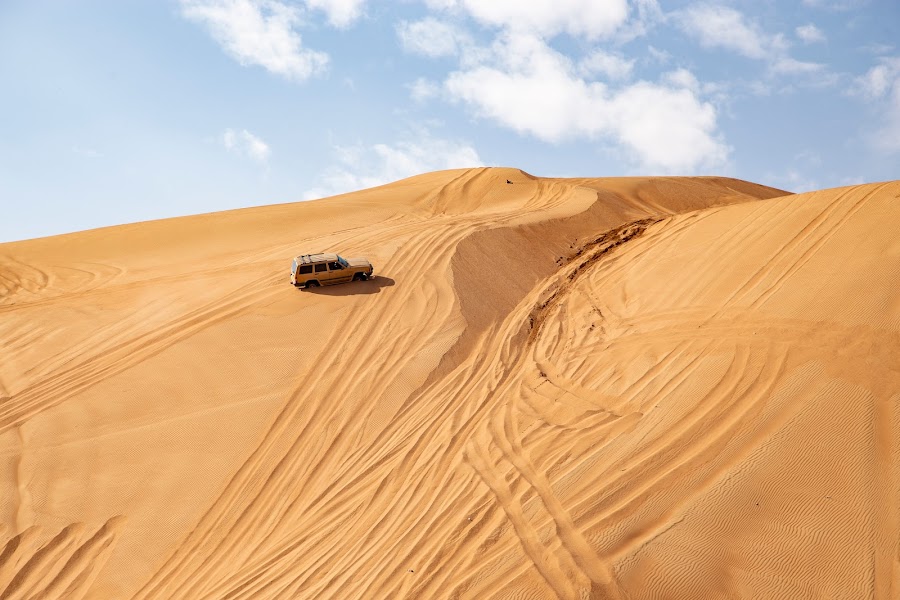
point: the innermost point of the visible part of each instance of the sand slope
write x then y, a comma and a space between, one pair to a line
592, 388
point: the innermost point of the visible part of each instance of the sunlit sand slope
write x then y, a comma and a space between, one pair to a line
592, 388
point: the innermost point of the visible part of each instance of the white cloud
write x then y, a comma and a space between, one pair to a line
723, 27
889, 138
527, 86
422, 89
360, 167
716, 26
431, 37
258, 32
588, 18
613, 66
244, 143
646, 15
658, 56
667, 127
881, 86
682, 78
340, 13
879, 80
810, 34
790, 66
441, 4
876, 48
835, 5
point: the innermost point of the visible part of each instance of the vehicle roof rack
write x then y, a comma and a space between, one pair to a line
315, 257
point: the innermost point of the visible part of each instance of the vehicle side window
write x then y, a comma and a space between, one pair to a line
320, 268
334, 266
305, 269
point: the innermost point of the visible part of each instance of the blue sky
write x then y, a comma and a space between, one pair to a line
128, 110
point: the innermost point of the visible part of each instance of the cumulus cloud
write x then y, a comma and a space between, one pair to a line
658, 56
809, 34
723, 27
682, 78
244, 143
611, 66
880, 79
881, 86
525, 85
422, 89
431, 37
716, 26
360, 166
258, 32
340, 13
584, 18
645, 15
668, 128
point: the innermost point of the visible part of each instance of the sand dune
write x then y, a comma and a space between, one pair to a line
555, 388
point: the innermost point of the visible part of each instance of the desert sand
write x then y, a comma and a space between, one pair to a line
618, 388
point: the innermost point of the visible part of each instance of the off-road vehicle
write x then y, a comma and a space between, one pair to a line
313, 270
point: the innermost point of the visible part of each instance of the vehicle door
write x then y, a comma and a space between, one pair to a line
337, 273
304, 273
321, 273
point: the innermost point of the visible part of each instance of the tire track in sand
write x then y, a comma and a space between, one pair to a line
62, 567
493, 220
416, 257
60, 386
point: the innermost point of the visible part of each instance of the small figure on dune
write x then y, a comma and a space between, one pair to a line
508, 181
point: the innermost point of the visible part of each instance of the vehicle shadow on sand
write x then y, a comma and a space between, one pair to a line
353, 288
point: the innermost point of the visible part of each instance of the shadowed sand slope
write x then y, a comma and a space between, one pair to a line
555, 388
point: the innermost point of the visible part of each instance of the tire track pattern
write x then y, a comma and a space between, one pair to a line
594, 442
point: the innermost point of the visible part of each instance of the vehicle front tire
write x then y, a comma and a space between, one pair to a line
312, 284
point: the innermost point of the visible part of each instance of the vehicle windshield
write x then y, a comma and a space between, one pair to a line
343, 262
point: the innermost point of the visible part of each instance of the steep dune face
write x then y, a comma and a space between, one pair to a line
591, 388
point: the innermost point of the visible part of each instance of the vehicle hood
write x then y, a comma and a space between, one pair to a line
358, 262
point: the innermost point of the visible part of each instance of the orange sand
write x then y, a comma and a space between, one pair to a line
582, 388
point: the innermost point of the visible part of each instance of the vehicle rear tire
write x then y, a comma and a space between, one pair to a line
312, 284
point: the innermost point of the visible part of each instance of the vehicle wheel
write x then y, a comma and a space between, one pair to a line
359, 277
312, 284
